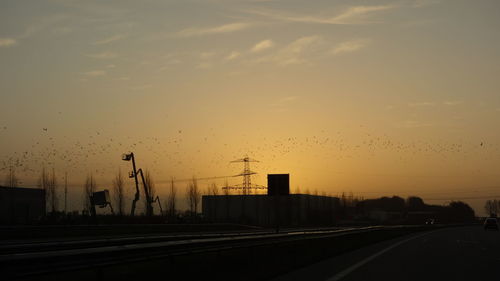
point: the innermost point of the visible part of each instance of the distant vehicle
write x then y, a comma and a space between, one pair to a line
490, 223
429, 221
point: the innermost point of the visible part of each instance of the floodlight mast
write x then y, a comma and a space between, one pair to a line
128, 157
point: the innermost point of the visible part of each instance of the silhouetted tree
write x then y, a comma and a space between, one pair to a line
150, 186
415, 203
297, 190
53, 191
11, 179
172, 200
193, 196
119, 192
461, 212
226, 195
214, 190
48, 182
491, 207
88, 189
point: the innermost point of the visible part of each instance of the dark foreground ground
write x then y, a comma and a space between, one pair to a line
370, 253
458, 253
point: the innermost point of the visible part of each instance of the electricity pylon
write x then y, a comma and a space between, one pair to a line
247, 186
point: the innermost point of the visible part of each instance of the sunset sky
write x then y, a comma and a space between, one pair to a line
378, 98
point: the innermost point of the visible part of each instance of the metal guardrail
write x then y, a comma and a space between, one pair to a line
49, 249
13, 264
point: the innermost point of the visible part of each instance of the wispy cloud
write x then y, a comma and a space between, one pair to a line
425, 3
104, 55
204, 65
233, 55
453, 103
95, 73
109, 39
283, 104
61, 30
226, 28
143, 87
352, 15
350, 46
42, 24
207, 55
294, 53
358, 14
7, 42
411, 124
288, 99
262, 45
422, 104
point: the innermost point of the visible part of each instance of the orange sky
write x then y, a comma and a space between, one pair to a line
378, 98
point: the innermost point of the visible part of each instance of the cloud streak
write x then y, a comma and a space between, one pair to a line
7, 42
109, 40
422, 104
262, 45
295, 52
349, 46
352, 15
104, 55
95, 73
412, 124
233, 55
226, 28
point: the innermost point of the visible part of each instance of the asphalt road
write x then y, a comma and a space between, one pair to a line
460, 253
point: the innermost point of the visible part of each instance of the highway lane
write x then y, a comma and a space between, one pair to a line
459, 253
33, 260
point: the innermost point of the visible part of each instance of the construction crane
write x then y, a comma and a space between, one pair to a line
133, 174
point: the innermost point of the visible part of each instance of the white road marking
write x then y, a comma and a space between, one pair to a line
350, 269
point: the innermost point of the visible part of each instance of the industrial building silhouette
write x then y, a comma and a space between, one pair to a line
278, 206
21, 205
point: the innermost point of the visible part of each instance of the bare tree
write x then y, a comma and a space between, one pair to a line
172, 200
53, 191
491, 207
193, 196
213, 189
88, 190
48, 182
119, 192
297, 190
43, 183
196, 195
226, 190
226, 195
11, 179
150, 187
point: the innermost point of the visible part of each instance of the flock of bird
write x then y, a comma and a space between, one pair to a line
99, 153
